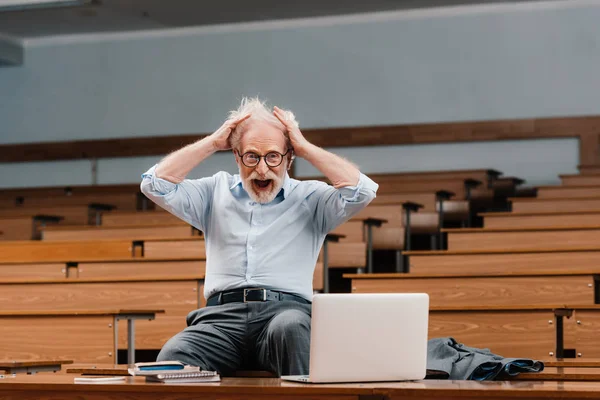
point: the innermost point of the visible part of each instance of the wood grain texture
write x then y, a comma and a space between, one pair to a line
346, 255
487, 264
589, 169
586, 128
540, 221
555, 205
40, 251
587, 325
81, 338
352, 230
72, 215
124, 201
580, 180
134, 233
566, 192
524, 239
20, 228
174, 297
152, 335
420, 222
174, 248
511, 334
498, 291
33, 271
138, 218
157, 269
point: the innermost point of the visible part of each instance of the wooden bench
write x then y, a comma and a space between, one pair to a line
514, 220
82, 335
176, 295
32, 367
523, 238
580, 180
566, 192
122, 201
504, 261
36, 251
26, 228
589, 169
509, 289
139, 232
452, 210
535, 205
139, 218
72, 215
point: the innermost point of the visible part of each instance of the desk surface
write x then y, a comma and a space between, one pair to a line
52, 386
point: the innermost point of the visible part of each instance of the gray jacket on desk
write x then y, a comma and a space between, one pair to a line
448, 359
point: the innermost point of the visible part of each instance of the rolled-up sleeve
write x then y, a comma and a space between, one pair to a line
335, 206
188, 200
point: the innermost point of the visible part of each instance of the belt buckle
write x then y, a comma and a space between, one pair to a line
264, 295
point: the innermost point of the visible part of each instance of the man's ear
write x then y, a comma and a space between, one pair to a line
292, 158
237, 161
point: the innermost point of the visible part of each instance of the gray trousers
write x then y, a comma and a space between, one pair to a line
272, 336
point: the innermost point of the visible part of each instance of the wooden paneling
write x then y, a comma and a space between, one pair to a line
535, 239
139, 218
487, 264
174, 297
492, 291
580, 180
174, 248
420, 222
586, 128
125, 201
33, 271
181, 230
39, 251
74, 215
352, 230
153, 334
346, 255
555, 205
512, 220
388, 238
80, 338
566, 192
116, 270
587, 327
522, 334
16, 228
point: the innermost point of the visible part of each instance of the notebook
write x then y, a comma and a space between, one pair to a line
363, 337
153, 368
185, 377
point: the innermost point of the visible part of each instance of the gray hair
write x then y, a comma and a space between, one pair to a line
260, 111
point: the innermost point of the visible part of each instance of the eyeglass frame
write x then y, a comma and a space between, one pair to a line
241, 156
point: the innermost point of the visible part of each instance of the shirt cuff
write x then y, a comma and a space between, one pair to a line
352, 193
157, 184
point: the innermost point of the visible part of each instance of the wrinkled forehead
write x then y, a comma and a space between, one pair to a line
262, 136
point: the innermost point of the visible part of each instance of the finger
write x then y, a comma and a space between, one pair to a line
281, 118
242, 119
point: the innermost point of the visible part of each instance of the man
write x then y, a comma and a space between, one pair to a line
263, 233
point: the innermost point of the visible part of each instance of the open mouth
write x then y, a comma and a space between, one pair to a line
262, 184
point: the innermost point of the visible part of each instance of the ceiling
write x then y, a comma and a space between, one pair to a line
131, 15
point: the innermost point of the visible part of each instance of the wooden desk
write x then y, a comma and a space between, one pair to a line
61, 386
562, 374
32, 367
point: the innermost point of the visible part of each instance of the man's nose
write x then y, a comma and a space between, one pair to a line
262, 167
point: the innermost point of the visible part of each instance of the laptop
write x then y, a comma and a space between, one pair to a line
367, 338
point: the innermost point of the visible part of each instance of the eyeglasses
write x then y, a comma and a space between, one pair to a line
272, 159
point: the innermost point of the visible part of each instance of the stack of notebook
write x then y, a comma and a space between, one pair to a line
173, 372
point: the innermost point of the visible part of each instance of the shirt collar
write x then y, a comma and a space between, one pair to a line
286, 188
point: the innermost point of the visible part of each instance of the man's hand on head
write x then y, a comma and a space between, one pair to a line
299, 143
220, 137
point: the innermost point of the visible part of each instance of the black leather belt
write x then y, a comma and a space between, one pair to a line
252, 295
